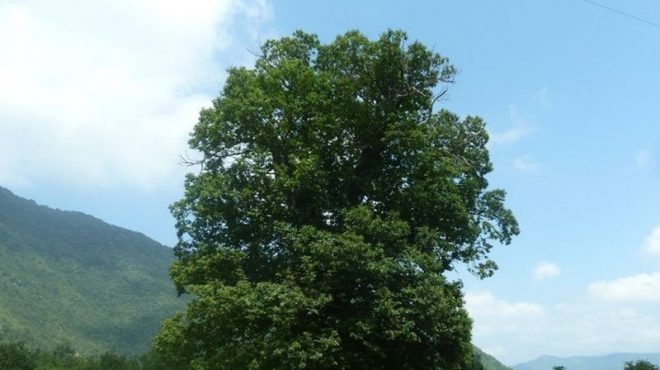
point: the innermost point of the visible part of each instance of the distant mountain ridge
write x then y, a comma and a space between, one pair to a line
67, 277
614, 361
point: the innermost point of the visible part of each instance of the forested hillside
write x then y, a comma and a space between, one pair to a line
489, 362
67, 277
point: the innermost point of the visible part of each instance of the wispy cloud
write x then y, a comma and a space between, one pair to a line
520, 331
510, 136
545, 270
494, 314
495, 318
542, 98
105, 93
520, 128
632, 289
486, 304
652, 242
527, 164
644, 158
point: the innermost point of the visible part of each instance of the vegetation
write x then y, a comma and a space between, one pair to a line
70, 354
489, 362
16, 356
640, 365
331, 201
73, 278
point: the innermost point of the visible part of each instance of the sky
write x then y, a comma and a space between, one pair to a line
97, 99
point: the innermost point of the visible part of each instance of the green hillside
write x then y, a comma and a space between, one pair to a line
69, 277
489, 362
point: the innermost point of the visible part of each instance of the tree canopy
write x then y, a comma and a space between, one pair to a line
14, 356
331, 200
640, 365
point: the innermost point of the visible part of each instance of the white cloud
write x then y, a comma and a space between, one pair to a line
632, 289
105, 93
542, 98
652, 242
496, 319
495, 314
520, 331
510, 136
520, 129
643, 158
486, 304
527, 164
545, 270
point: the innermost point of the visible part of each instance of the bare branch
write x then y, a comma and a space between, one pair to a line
185, 160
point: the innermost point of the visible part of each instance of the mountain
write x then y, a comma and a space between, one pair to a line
67, 277
489, 362
613, 361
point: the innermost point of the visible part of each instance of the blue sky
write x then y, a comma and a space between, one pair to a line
96, 101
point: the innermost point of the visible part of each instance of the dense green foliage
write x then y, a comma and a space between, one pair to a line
331, 201
16, 356
68, 277
640, 365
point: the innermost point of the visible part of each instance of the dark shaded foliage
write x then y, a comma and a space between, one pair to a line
640, 365
15, 356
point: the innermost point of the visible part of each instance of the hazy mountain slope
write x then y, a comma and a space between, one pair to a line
489, 362
67, 276
613, 361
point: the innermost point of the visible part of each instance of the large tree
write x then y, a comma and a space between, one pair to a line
331, 200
